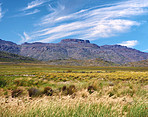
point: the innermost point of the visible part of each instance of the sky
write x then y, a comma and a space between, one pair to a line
103, 22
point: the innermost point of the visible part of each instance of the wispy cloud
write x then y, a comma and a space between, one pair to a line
24, 38
33, 12
130, 43
145, 50
1, 14
34, 4
27, 13
93, 23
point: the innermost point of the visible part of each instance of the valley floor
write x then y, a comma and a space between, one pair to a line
64, 91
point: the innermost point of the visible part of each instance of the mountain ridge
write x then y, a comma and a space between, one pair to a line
74, 49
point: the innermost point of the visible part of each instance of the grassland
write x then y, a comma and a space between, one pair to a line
95, 92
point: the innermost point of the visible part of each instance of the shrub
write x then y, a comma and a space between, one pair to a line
34, 92
64, 88
90, 89
48, 91
71, 89
16, 92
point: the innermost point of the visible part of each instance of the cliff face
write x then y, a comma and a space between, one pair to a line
74, 49
74, 41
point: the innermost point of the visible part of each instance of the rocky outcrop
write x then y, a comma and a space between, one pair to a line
74, 41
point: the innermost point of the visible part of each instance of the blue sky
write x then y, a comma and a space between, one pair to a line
123, 22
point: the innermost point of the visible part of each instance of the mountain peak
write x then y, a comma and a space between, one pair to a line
74, 41
7, 42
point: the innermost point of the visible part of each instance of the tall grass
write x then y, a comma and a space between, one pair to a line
75, 108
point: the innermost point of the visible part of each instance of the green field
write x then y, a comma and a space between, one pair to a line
76, 91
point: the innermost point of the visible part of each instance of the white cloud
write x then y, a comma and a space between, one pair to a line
1, 14
34, 4
27, 13
33, 12
131, 43
27, 38
145, 50
24, 38
93, 23
87, 29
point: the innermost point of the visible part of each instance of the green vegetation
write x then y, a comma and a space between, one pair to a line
62, 91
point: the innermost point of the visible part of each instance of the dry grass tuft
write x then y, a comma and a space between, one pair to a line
71, 89
33, 92
16, 93
48, 91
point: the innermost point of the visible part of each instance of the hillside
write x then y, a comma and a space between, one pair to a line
143, 63
74, 49
9, 57
9, 46
74, 62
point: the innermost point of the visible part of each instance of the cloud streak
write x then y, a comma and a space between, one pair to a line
93, 23
33, 12
35, 3
25, 37
1, 14
130, 43
27, 13
145, 50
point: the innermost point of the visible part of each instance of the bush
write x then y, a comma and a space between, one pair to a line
71, 89
48, 91
16, 93
90, 89
34, 92
64, 88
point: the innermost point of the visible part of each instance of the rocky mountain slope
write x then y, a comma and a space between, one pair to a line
143, 63
9, 57
9, 46
75, 62
74, 49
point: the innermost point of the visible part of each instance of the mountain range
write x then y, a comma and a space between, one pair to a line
74, 49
